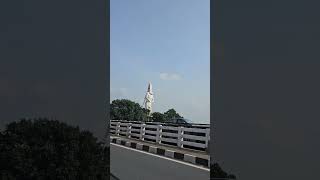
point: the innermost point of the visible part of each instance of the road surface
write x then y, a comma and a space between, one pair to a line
131, 164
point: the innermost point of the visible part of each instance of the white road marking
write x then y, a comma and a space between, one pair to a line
156, 155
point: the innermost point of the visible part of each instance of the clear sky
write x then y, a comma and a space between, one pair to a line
166, 42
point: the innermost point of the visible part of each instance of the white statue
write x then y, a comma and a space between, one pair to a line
149, 99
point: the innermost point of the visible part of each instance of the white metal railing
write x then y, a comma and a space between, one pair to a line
182, 137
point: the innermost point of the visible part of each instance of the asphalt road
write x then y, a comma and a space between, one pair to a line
130, 164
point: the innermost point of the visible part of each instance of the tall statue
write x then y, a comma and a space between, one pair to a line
149, 99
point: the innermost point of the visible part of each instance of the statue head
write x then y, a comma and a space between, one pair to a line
150, 88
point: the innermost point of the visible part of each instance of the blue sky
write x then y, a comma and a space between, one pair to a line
166, 42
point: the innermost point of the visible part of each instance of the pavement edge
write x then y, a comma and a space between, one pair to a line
163, 152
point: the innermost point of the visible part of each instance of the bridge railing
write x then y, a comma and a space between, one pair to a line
182, 137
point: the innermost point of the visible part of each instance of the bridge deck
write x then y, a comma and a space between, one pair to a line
199, 154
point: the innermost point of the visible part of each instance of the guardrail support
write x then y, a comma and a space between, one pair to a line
158, 136
207, 140
129, 130
118, 128
142, 131
180, 137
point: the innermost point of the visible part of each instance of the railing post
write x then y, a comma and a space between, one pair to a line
180, 137
118, 128
158, 137
129, 125
207, 139
142, 131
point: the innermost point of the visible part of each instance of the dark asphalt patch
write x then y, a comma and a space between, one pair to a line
179, 156
123, 142
202, 161
161, 151
133, 145
145, 148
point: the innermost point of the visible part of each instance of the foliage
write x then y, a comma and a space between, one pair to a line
45, 149
158, 117
217, 172
171, 114
123, 109
167, 116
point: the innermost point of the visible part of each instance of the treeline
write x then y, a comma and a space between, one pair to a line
124, 109
42, 149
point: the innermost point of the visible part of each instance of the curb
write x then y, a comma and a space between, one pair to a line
163, 152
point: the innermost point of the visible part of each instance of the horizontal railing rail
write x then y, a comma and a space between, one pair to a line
196, 138
197, 125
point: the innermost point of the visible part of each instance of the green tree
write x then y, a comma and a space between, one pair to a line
124, 109
158, 117
44, 149
171, 114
